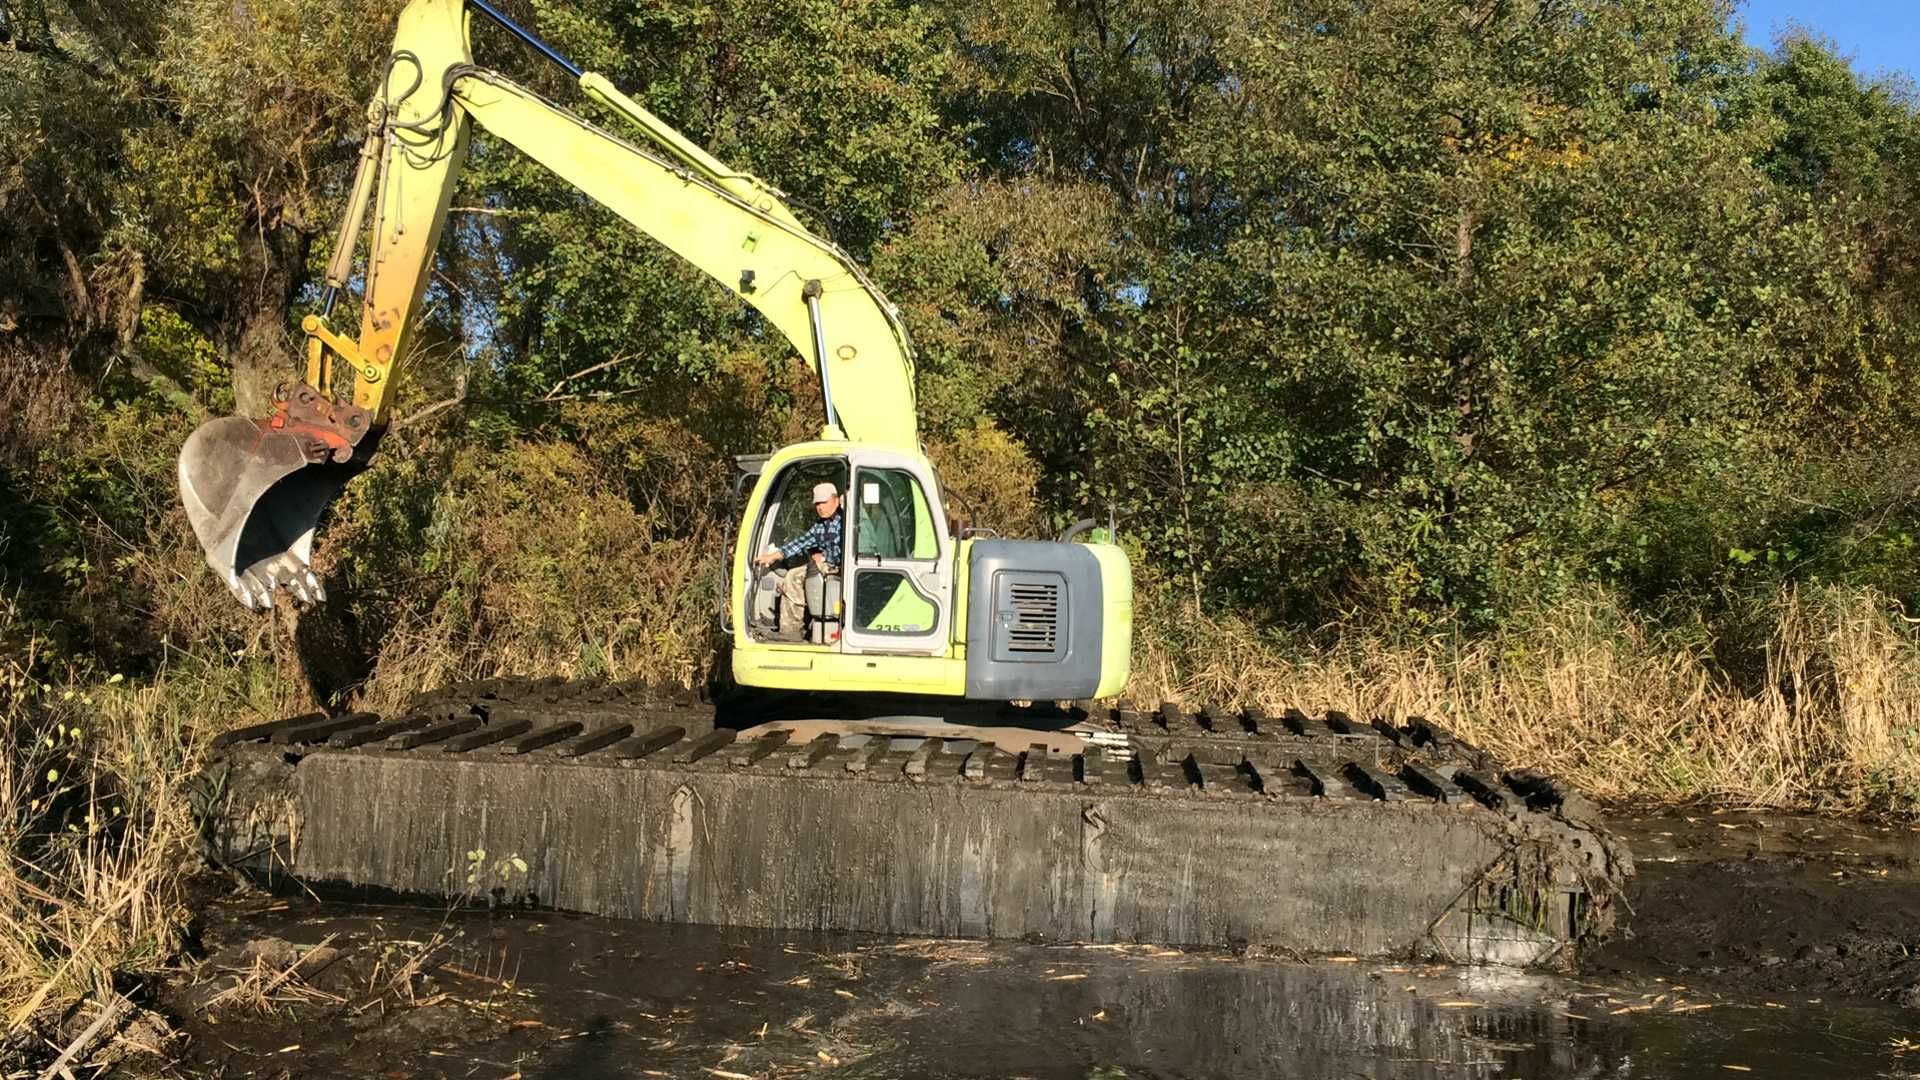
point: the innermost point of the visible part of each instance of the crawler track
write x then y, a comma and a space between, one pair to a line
1216, 827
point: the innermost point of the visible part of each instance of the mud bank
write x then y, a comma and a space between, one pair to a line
1796, 907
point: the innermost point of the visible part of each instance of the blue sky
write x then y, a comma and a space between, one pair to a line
1881, 35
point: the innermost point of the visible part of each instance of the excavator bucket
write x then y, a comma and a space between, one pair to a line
254, 494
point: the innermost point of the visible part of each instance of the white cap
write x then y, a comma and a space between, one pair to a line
824, 491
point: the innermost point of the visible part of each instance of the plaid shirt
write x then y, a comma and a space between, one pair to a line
823, 537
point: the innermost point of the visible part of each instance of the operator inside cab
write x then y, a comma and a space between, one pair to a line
821, 545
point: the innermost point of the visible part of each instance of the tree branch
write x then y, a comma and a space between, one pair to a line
459, 395
583, 372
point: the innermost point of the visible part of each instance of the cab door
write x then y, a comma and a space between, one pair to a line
898, 580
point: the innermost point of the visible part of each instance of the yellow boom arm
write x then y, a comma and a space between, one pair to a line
733, 227
255, 489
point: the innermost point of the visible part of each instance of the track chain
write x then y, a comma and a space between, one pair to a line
1163, 751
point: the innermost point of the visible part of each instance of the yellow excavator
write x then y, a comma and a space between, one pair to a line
901, 606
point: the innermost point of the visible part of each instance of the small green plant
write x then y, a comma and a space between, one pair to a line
484, 876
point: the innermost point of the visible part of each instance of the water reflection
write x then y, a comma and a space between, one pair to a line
968, 1009
595, 998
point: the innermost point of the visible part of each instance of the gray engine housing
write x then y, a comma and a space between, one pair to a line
1033, 621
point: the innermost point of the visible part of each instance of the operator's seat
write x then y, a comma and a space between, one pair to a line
875, 538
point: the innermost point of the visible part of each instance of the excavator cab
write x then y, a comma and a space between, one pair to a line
921, 611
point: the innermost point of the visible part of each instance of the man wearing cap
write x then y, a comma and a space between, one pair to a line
822, 543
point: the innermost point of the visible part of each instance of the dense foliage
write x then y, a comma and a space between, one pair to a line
1407, 313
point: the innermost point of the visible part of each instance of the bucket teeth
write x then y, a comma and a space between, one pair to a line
255, 586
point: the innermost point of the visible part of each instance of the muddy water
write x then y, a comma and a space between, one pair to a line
536, 995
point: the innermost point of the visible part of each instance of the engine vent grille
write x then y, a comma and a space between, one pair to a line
1036, 625
1030, 616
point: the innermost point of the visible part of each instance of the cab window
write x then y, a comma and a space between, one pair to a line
892, 517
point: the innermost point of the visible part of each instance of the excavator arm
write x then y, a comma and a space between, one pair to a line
255, 489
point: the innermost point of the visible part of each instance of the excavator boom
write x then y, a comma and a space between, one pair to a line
255, 489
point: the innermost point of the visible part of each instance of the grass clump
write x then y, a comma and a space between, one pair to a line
97, 833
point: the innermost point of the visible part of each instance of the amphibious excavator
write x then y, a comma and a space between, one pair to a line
1099, 820
912, 608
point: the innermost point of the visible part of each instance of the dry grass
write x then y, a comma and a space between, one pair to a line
1830, 720
94, 824
270, 983
38, 398
97, 834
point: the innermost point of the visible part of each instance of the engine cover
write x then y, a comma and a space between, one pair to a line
1034, 620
